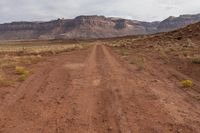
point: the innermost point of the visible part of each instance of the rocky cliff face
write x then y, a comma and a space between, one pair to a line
85, 27
173, 23
30, 30
93, 21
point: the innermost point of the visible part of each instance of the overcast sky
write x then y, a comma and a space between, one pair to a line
42, 10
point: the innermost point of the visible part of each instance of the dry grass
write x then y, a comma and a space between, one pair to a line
139, 62
4, 81
10, 63
124, 53
36, 50
40, 47
15, 55
122, 42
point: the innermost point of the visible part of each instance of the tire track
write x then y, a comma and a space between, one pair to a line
89, 91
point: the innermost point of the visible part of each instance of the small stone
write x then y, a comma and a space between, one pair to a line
58, 102
109, 128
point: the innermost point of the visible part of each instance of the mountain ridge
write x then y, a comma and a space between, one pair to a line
94, 26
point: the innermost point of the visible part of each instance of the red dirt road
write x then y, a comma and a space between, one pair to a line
94, 91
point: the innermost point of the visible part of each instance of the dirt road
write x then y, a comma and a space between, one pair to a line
94, 91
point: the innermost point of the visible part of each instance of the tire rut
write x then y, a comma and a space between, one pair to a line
91, 91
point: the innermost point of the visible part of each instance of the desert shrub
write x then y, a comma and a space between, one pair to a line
23, 77
29, 59
196, 60
163, 54
141, 66
140, 62
190, 43
133, 62
22, 72
124, 53
179, 38
187, 83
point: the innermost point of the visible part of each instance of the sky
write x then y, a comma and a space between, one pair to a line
143, 10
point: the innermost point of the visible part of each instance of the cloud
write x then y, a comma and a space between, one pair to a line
148, 10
